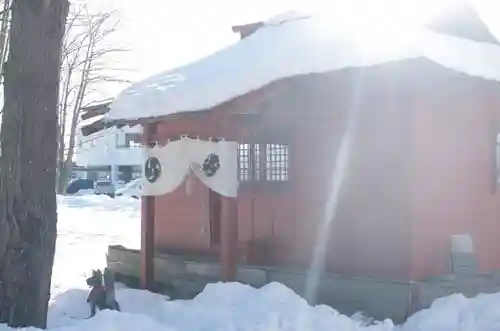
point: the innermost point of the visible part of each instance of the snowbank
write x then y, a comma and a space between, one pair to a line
230, 306
97, 203
458, 313
233, 306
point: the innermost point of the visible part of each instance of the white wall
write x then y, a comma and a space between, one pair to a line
100, 148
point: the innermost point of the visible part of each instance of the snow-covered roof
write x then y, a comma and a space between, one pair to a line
91, 120
287, 46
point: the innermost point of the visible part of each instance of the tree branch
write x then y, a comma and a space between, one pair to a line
85, 69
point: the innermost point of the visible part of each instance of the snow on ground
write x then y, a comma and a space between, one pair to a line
87, 224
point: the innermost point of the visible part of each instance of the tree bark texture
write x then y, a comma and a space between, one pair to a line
28, 215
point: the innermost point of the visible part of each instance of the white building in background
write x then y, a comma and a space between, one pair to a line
113, 153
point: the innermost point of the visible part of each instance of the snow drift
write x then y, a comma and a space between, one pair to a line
233, 306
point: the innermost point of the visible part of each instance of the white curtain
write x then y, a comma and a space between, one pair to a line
220, 162
214, 163
173, 165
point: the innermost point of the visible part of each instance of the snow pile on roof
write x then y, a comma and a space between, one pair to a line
477, 59
299, 46
291, 15
288, 45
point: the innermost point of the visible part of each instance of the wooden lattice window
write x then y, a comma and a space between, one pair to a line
262, 162
277, 162
248, 162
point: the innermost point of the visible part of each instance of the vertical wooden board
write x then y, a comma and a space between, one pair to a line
229, 239
245, 219
183, 219
262, 221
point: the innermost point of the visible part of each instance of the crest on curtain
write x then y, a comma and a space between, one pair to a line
211, 165
152, 169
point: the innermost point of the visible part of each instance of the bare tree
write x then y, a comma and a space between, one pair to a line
28, 215
84, 69
73, 43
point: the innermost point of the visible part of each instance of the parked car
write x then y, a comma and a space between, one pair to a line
119, 184
79, 184
104, 187
132, 189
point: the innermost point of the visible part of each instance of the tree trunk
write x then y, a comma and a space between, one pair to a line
28, 161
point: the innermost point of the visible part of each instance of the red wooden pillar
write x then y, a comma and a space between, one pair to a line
147, 242
229, 239
147, 228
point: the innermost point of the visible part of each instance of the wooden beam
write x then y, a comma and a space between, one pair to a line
147, 228
95, 110
247, 29
229, 239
